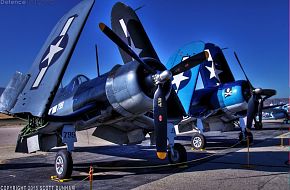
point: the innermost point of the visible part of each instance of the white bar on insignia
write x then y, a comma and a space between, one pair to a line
39, 77
67, 25
124, 27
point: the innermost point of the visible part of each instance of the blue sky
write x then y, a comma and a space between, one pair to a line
258, 30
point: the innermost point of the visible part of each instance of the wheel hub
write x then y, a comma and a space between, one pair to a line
59, 165
197, 142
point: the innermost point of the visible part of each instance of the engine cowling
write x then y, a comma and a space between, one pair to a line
234, 96
125, 92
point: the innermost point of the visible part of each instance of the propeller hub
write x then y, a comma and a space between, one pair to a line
257, 90
162, 77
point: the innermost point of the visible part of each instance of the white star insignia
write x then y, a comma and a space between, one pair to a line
177, 79
213, 71
53, 49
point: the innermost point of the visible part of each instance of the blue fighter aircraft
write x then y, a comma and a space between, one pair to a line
277, 112
223, 98
123, 105
221, 101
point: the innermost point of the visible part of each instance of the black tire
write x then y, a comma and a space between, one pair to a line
258, 125
198, 141
244, 141
63, 164
179, 152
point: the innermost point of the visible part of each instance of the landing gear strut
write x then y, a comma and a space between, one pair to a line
63, 159
245, 133
243, 137
258, 125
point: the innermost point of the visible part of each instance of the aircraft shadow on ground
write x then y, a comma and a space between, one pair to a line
147, 153
19, 165
143, 156
240, 163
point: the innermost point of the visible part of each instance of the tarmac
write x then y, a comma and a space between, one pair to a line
223, 165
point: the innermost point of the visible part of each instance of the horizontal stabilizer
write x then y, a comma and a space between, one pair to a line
50, 64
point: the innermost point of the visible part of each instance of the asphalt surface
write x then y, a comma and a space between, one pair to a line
134, 166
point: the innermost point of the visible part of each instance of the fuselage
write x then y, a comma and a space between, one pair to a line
120, 95
110, 97
228, 99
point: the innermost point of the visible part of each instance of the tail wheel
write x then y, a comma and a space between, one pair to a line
198, 141
63, 164
179, 156
243, 138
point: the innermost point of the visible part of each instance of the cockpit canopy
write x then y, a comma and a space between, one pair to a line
75, 82
70, 89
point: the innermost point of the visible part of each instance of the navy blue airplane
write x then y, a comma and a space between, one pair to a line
123, 105
221, 101
277, 112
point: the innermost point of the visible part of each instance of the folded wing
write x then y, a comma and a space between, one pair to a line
49, 66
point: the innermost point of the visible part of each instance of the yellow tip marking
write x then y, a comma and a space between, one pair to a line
102, 26
206, 54
161, 155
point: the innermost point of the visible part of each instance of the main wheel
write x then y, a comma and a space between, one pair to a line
244, 140
258, 125
198, 141
63, 164
179, 156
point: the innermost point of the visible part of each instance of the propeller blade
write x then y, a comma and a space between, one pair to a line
243, 70
260, 109
251, 112
160, 121
268, 92
119, 42
189, 63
